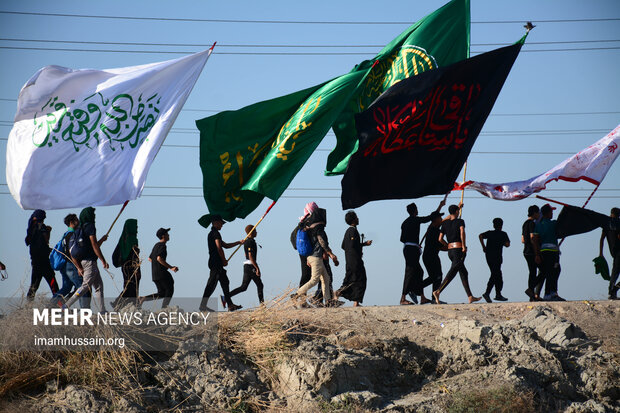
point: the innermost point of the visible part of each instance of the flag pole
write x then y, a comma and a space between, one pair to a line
463, 190
253, 228
584, 205
444, 200
551, 200
116, 219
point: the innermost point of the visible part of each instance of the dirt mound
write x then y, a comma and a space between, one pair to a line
388, 359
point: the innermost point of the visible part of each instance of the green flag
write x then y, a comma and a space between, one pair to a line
256, 151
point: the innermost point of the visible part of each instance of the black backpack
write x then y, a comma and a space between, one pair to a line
78, 244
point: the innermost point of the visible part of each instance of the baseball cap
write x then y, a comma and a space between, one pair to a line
160, 232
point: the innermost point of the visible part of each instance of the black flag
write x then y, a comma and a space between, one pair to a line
574, 220
415, 138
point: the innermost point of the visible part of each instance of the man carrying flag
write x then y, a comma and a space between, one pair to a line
613, 241
547, 252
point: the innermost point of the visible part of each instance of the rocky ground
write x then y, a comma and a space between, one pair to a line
508, 357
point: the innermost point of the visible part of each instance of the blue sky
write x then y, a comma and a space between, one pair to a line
554, 103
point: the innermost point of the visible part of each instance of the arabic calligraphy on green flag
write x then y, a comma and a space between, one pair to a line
256, 151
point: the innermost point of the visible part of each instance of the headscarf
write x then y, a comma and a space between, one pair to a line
87, 216
129, 238
309, 208
38, 215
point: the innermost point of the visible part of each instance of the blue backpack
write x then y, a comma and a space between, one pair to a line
304, 246
57, 259
77, 244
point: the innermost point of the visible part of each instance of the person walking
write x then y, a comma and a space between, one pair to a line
86, 264
453, 229
251, 271
314, 221
354, 283
37, 239
217, 262
547, 252
430, 255
159, 269
613, 241
410, 237
70, 277
534, 280
496, 240
127, 253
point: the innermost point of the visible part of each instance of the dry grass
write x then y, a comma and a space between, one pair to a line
265, 334
503, 399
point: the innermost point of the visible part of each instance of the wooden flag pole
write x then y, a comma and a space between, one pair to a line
116, 219
253, 228
463, 190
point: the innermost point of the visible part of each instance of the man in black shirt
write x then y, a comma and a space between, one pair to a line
454, 230
159, 267
251, 272
534, 282
496, 240
410, 237
613, 240
430, 256
217, 262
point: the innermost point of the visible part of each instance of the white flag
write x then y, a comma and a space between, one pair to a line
88, 137
591, 164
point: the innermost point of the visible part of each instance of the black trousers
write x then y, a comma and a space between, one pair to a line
495, 280
550, 268
305, 271
165, 290
433, 269
534, 281
131, 284
613, 276
216, 275
249, 274
457, 256
413, 271
41, 268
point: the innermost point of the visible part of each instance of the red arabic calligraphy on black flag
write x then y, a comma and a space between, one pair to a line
415, 138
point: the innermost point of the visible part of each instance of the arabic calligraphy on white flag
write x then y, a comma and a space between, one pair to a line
88, 137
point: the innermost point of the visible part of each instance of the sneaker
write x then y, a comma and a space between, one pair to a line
530, 294
500, 297
548, 297
234, 307
613, 297
557, 298
487, 298
223, 301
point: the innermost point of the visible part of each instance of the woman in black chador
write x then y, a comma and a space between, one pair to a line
354, 284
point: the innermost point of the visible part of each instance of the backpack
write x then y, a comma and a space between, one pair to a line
57, 259
78, 244
304, 246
